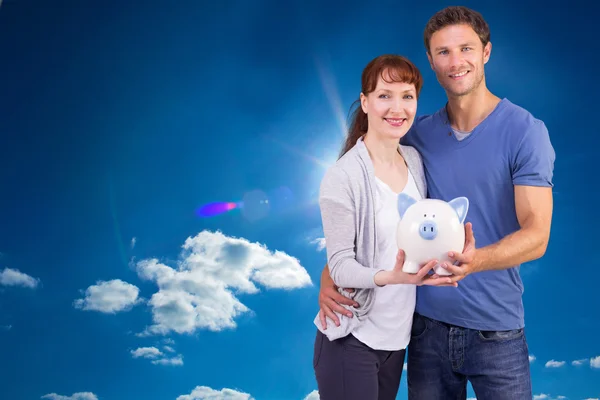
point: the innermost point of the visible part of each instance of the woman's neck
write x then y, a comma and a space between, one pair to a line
382, 151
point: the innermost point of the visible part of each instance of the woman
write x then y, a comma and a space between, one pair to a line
363, 357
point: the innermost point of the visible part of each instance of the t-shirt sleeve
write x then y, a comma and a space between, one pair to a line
533, 163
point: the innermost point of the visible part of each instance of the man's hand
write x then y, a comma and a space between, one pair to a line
469, 261
330, 300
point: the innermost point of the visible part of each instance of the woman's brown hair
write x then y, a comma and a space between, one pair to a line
391, 68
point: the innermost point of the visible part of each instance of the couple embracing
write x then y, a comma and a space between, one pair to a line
465, 326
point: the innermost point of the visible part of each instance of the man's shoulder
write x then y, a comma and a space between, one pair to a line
519, 116
426, 120
422, 125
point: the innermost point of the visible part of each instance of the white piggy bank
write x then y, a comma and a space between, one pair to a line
429, 229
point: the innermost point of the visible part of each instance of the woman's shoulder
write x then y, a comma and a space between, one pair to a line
345, 173
414, 162
410, 152
348, 163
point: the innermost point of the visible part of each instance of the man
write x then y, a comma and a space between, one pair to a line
500, 157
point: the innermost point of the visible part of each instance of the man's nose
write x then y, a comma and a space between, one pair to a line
456, 58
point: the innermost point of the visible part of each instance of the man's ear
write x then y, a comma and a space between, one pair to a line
487, 52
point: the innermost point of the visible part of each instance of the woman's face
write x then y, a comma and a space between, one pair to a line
390, 108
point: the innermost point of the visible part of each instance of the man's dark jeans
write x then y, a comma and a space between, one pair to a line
443, 357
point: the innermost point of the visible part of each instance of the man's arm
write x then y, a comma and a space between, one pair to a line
534, 212
330, 300
534, 207
532, 168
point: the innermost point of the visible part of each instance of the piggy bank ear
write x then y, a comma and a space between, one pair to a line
461, 206
404, 201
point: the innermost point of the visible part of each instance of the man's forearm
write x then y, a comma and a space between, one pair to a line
326, 279
517, 248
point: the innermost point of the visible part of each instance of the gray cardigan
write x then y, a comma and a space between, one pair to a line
347, 201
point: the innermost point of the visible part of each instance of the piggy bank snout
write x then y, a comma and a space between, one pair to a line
428, 230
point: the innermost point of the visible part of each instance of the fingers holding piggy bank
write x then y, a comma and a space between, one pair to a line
429, 229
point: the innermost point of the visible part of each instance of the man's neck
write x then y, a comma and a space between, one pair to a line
466, 112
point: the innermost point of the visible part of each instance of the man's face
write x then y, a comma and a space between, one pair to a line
457, 57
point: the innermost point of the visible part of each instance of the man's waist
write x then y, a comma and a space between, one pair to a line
480, 321
490, 331
481, 312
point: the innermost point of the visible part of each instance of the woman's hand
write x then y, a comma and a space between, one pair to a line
397, 276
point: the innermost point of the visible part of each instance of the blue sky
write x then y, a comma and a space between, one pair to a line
118, 121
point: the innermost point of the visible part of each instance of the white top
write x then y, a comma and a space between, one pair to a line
388, 323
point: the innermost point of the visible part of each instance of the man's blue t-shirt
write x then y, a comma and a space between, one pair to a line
510, 147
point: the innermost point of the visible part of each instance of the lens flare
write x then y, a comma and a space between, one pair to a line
254, 206
329, 87
217, 208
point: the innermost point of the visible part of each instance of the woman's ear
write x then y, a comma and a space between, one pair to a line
363, 102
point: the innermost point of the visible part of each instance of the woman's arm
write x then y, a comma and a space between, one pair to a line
338, 214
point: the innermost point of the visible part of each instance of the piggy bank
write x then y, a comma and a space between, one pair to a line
429, 229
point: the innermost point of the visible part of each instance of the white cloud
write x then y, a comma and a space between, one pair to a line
554, 364
13, 277
590, 398
314, 395
199, 293
320, 242
531, 358
133, 240
157, 356
547, 397
169, 341
75, 396
178, 361
109, 297
169, 349
579, 363
472, 398
146, 352
206, 393
595, 362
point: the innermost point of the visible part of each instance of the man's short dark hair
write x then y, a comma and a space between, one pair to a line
457, 15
